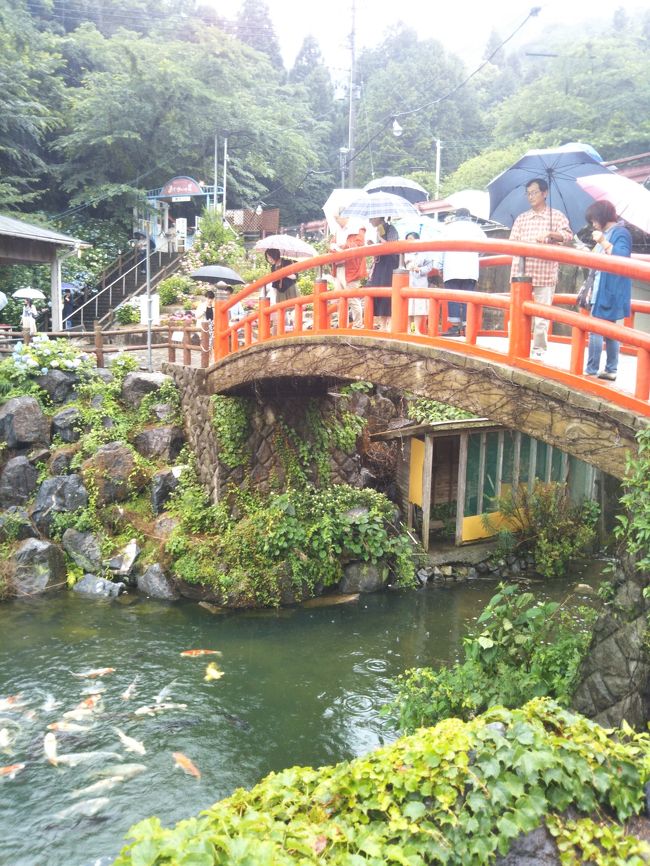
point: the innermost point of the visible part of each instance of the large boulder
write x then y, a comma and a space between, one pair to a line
138, 385
15, 525
66, 425
363, 577
18, 481
63, 493
122, 563
83, 548
160, 443
98, 587
23, 423
38, 567
58, 384
163, 485
113, 472
156, 584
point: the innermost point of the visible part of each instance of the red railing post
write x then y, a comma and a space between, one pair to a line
577, 362
521, 290
264, 322
642, 390
221, 342
472, 319
320, 305
399, 307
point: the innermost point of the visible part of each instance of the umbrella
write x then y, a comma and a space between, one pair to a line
3, 300
402, 186
218, 274
28, 292
380, 204
560, 168
289, 246
631, 200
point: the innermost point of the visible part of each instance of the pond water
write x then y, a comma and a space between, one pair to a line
300, 686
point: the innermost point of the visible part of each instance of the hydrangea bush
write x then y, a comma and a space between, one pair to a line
27, 362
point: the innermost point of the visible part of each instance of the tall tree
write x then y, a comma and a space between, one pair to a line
254, 27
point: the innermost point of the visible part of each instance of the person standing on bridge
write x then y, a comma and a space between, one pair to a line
460, 269
611, 293
540, 225
382, 270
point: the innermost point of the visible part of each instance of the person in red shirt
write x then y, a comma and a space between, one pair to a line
354, 269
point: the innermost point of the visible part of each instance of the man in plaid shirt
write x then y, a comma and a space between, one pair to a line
540, 225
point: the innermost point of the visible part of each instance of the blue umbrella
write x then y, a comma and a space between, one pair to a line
559, 167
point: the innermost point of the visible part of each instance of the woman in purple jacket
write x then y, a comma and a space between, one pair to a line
611, 293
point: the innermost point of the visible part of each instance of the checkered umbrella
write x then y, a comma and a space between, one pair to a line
380, 204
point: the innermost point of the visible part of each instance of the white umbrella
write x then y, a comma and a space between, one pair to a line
631, 200
402, 186
380, 204
289, 246
28, 292
3, 300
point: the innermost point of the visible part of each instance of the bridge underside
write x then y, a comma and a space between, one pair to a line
585, 426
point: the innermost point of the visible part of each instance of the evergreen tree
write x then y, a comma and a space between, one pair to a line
254, 27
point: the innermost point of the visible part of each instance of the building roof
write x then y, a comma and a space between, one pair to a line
9, 226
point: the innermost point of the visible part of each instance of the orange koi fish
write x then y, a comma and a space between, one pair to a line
95, 672
11, 771
195, 653
182, 761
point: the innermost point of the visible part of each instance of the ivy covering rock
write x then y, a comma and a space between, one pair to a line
457, 794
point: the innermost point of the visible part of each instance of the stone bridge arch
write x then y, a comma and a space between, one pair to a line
583, 425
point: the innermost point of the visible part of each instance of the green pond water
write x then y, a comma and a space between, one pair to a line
300, 686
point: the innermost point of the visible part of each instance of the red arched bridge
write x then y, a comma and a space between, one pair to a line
488, 370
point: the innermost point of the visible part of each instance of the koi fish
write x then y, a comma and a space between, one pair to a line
123, 772
158, 708
6, 738
87, 808
94, 672
195, 653
212, 672
182, 761
128, 693
97, 787
13, 702
73, 759
164, 693
49, 747
11, 771
68, 727
84, 708
129, 743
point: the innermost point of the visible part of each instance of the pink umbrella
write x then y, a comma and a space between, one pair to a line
631, 200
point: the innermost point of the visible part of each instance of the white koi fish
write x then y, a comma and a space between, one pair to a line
68, 727
128, 693
13, 702
158, 708
164, 693
97, 787
73, 759
121, 773
87, 808
6, 739
50, 703
129, 743
49, 747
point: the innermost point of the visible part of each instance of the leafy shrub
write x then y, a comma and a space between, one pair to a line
127, 314
297, 537
174, 287
456, 794
545, 522
520, 649
231, 423
27, 362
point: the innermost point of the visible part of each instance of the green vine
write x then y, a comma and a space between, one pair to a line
634, 526
456, 794
426, 411
230, 419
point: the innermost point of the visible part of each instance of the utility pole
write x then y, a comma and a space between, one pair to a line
225, 172
438, 149
352, 96
216, 174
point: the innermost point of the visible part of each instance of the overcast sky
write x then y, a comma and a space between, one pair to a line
463, 26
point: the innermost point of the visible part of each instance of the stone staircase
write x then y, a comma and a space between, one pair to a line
121, 280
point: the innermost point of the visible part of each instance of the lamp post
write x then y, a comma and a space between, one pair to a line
149, 319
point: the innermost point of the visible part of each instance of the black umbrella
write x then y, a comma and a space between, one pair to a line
402, 186
218, 274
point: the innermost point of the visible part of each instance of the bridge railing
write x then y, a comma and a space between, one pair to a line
326, 312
